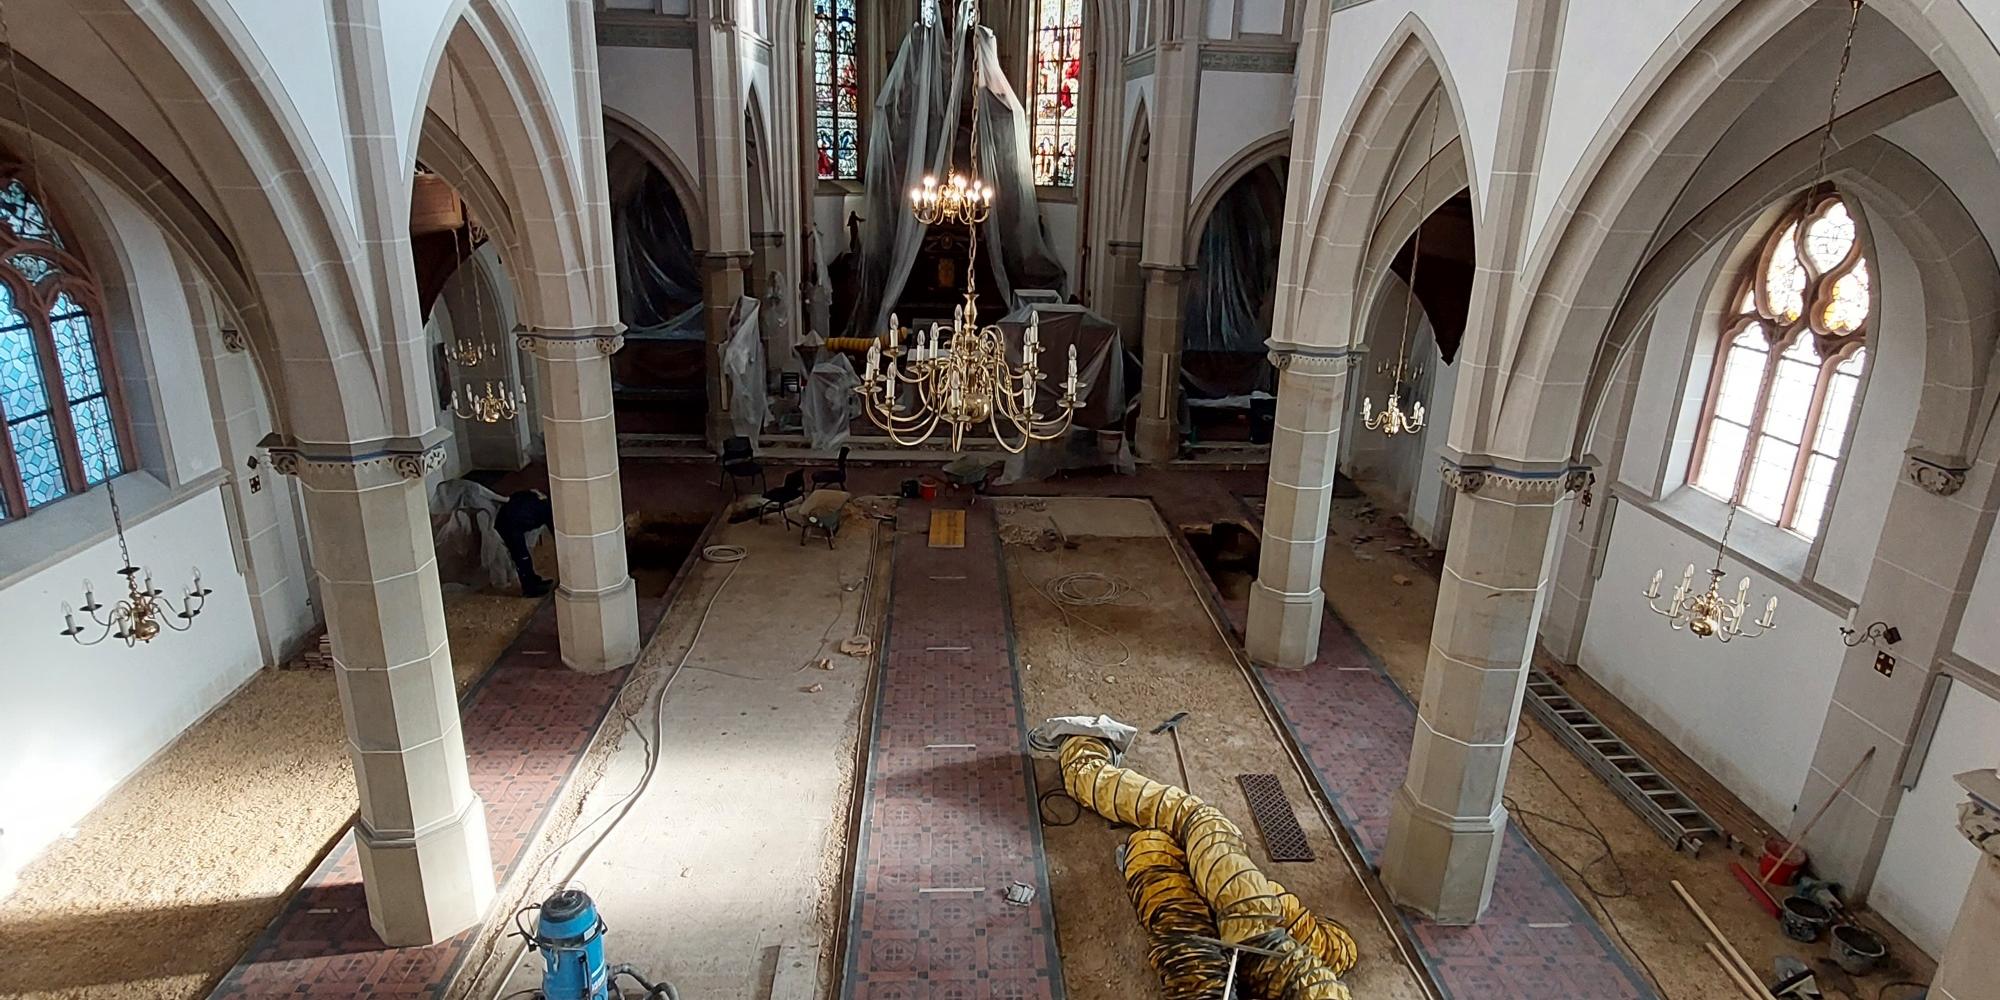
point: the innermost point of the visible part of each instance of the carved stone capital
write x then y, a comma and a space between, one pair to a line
571, 345
356, 465
1935, 474
1514, 485
233, 340
1315, 361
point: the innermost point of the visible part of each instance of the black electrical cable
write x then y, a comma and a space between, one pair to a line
1596, 833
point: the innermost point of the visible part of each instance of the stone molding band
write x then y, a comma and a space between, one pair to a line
355, 464
569, 344
1518, 485
1316, 361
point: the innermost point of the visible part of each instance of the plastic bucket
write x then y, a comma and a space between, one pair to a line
1803, 919
1775, 873
927, 488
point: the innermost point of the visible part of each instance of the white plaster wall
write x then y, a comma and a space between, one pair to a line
655, 88
1220, 14
1927, 864
1979, 634
1657, 408
1747, 712
1474, 40
1235, 110
79, 720
298, 51
1263, 17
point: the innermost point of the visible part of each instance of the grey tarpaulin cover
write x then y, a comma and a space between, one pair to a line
469, 551
912, 133
1227, 319
830, 404
743, 366
1095, 438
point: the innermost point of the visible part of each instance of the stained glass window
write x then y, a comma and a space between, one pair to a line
1058, 87
1788, 371
836, 90
56, 397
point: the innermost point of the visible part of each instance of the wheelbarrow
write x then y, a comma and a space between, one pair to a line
970, 471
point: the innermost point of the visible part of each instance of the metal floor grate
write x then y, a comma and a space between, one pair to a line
1284, 840
1657, 800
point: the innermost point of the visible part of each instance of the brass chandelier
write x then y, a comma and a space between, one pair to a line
1393, 420
496, 401
143, 611
961, 377
1707, 613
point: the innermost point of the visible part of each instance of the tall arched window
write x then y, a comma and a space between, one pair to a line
1788, 369
836, 90
1058, 86
63, 425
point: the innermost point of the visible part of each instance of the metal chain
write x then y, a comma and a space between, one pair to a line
1833, 102
1417, 244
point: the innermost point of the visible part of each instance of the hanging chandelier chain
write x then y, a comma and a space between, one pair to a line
1833, 101
1417, 244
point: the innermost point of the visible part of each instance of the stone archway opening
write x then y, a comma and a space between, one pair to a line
660, 378
1228, 385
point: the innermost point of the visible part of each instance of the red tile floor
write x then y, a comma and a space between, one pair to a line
527, 724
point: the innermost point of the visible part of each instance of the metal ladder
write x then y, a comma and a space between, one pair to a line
1663, 806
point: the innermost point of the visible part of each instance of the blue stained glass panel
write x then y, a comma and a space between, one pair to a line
21, 391
76, 350
32, 267
23, 214
96, 442
36, 456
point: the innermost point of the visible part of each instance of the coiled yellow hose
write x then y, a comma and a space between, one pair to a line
1173, 913
1247, 904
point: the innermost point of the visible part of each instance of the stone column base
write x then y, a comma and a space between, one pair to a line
598, 630
426, 888
1441, 866
1284, 628
1159, 438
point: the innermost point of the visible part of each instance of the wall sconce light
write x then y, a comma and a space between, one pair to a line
1880, 633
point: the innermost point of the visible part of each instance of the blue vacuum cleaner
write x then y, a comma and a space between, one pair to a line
570, 936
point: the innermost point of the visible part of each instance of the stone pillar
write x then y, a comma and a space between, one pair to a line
426, 865
1286, 603
1970, 965
721, 290
1933, 536
597, 607
1160, 381
1446, 821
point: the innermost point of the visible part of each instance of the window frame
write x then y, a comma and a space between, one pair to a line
1779, 335
35, 301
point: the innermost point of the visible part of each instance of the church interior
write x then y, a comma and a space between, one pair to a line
1000, 499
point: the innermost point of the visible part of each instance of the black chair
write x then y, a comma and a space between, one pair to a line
775, 501
740, 463
834, 478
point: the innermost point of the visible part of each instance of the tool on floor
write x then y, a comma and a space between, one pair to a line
570, 935
1727, 956
1662, 805
1172, 727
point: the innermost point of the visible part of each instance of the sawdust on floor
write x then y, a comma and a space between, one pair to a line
1167, 657
1382, 581
166, 882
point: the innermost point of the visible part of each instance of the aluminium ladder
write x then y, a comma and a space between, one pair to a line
1662, 805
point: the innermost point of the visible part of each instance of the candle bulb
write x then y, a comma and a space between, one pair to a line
69, 619
89, 597
1770, 612
1742, 595
1072, 364
1687, 578
1653, 589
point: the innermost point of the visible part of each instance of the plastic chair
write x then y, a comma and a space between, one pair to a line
739, 462
834, 478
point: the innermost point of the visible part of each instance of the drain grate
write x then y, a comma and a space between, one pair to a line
1272, 810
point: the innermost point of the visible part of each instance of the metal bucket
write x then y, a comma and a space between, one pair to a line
1803, 919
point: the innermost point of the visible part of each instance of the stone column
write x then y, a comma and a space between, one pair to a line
1160, 381
1286, 603
426, 865
597, 607
1934, 533
722, 289
1446, 821
1970, 965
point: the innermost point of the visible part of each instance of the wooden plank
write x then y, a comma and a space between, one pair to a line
797, 975
948, 529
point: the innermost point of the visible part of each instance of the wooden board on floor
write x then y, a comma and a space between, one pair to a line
947, 529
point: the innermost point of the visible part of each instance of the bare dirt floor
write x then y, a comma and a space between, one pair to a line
160, 888
1382, 581
1152, 653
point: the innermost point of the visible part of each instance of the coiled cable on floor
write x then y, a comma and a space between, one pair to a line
724, 553
1181, 926
1247, 904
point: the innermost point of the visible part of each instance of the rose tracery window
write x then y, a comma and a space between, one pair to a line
1787, 371
837, 89
1058, 78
